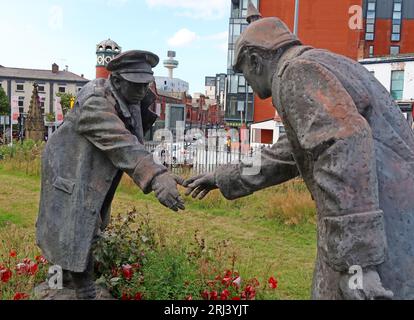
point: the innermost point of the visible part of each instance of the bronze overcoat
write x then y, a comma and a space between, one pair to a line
82, 165
349, 141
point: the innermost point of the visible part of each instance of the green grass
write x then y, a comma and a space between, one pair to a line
271, 232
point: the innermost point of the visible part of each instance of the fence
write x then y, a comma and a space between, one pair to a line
197, 159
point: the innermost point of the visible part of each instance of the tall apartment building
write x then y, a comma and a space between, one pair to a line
240, 98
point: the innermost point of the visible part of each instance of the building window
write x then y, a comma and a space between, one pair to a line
396, 20
62, 89
371, 51
20, 87
371, 14
21, 104
397, 84
41, 88
394, 50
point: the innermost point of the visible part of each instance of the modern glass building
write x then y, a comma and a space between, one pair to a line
240, 98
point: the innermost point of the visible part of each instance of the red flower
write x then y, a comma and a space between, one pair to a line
226, 281
236, 298
127, 271
189, 298
139, 296
126, 297
13, 254
41, 259
5, 275
225, 295
21, 269
250, 293
213, 295
32, 268
273, 283
20, 296
228, 274
205, 295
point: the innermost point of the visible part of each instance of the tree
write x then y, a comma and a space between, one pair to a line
4, 103
65, 99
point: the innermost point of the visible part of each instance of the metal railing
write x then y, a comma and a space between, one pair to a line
197, 159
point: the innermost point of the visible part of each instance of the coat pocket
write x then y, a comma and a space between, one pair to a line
64, 185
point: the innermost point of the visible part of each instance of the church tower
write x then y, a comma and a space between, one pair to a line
105, 52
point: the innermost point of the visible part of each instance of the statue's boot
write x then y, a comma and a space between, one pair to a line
85, 287
67, 280
84, 282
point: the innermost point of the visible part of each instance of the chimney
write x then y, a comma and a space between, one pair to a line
55, 68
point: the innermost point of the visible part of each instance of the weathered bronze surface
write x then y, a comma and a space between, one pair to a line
348, 140
83, 162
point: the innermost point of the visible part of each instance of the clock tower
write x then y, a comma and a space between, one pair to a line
105, 52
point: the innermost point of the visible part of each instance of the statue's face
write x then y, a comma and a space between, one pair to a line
257, 76
133, 93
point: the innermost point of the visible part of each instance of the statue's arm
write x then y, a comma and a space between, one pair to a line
336, 141
99, 123
275, 165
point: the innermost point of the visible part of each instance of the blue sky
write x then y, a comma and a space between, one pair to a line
35, 34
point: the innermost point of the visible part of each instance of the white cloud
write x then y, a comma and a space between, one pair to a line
196, 9
185, 38
182, 38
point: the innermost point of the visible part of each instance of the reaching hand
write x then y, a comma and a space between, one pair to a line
165, 188
200, 185
372, 288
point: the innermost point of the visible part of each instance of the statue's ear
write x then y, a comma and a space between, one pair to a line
116, 81
256, 63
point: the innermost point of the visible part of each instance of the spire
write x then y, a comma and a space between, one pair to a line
252, 13
34, 124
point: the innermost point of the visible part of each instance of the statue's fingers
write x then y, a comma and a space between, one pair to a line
197, 192
191, 180
178, 179
203, 194
192, 187
189, 191
180, 203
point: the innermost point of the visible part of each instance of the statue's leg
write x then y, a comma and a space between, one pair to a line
84, 282
67, 280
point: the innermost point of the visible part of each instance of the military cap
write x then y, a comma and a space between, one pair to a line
135, 66
266, 33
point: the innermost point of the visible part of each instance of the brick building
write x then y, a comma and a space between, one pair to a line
357, 29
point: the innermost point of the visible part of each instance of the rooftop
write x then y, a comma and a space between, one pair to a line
37, 74
388, 59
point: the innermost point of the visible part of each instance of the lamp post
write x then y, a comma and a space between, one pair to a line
295, 28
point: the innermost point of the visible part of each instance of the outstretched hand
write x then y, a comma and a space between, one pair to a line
200, 185
165, 188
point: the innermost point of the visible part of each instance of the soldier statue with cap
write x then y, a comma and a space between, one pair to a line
348, 140
83, 162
